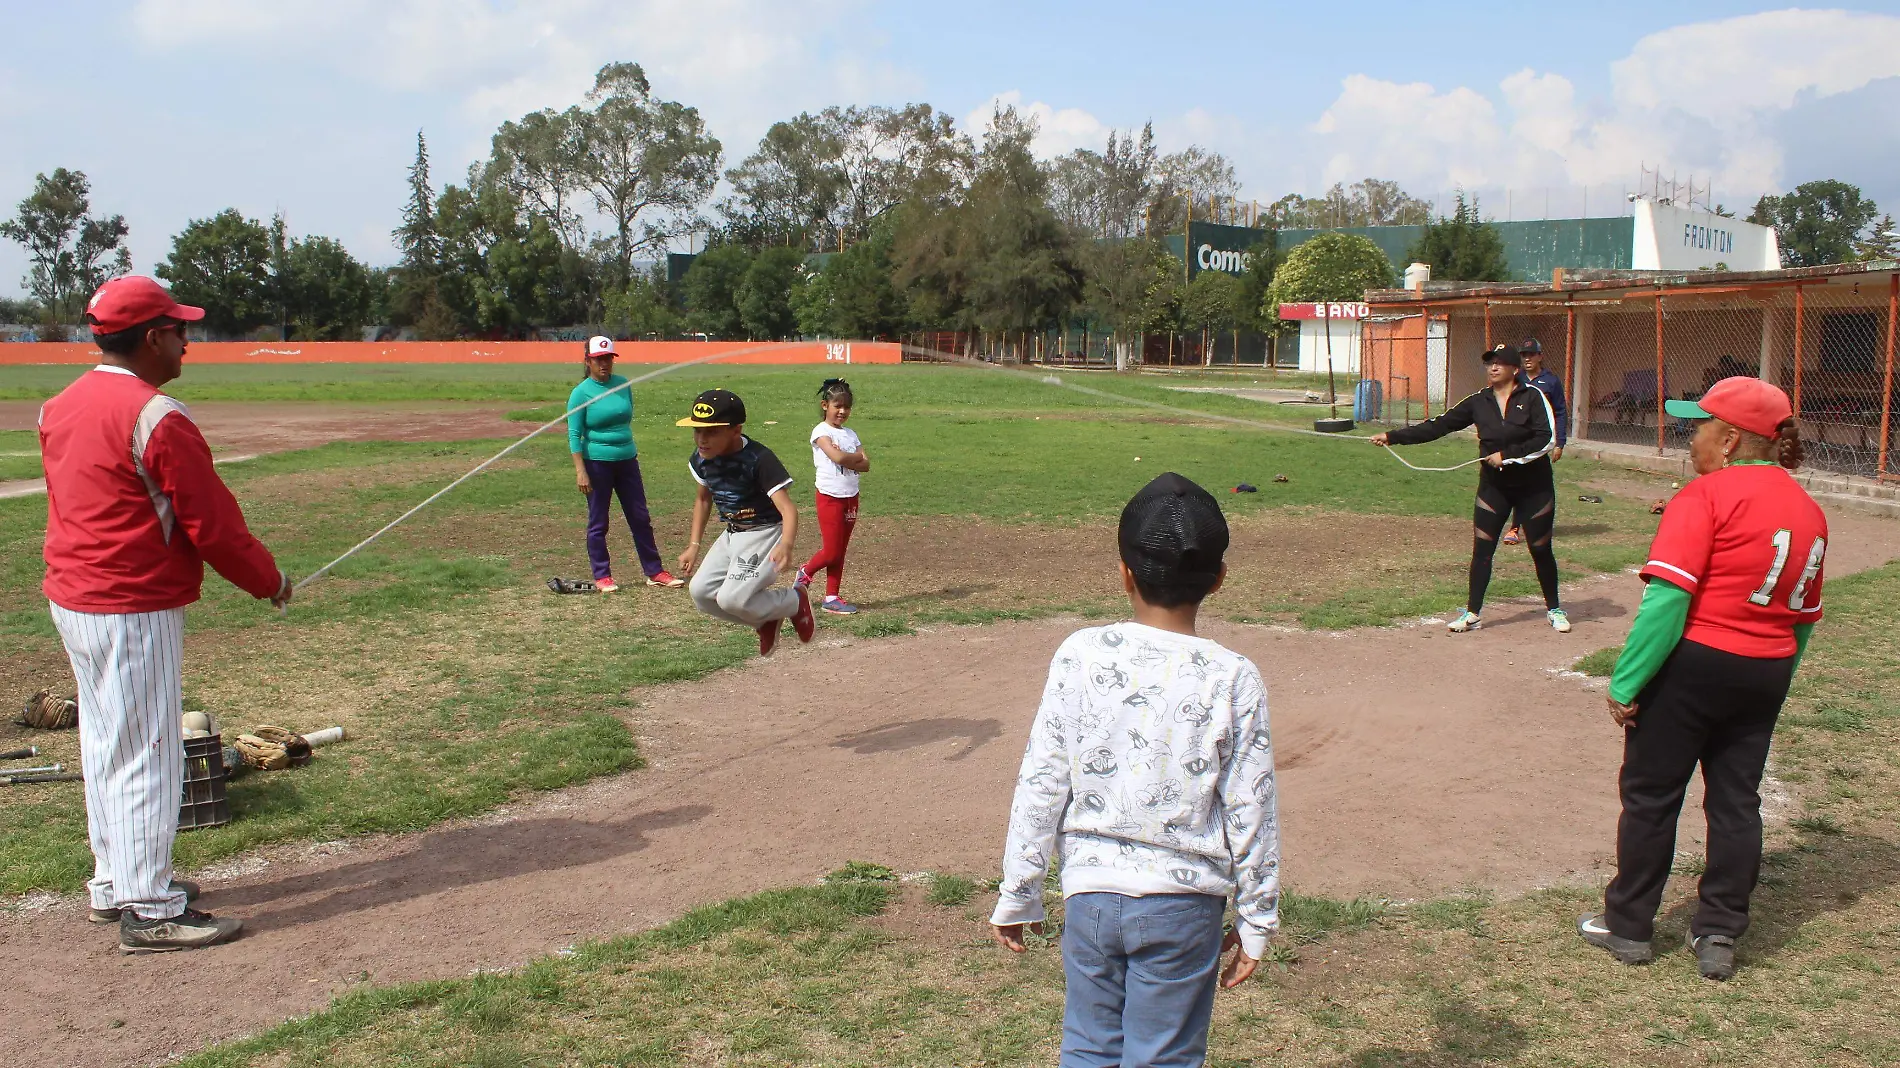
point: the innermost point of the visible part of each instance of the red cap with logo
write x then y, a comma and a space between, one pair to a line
1756, 406
124, 303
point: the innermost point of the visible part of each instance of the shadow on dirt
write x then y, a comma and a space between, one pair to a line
893, 737
448, 860
1594, 610
1819, 873
1462, 1035
948, 593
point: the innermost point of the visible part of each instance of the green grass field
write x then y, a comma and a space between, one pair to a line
458, 677
974, 453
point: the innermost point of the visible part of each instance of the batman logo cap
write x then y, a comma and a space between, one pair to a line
716, 407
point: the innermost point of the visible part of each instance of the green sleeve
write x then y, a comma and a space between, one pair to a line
577, 423
1653, 636
1801, 633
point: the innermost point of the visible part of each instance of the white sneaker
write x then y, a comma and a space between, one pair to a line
1467, 620
1559, 622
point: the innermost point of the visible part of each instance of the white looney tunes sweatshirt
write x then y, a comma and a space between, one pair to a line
1150, 766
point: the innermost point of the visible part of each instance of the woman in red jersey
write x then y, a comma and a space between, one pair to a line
1734, 589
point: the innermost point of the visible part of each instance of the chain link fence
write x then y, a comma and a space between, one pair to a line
1827, 337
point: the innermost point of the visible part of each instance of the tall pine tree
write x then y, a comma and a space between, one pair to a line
421, 245
417, 300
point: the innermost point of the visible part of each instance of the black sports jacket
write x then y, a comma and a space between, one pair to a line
1522, 431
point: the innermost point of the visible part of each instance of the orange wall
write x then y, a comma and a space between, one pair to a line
780, 352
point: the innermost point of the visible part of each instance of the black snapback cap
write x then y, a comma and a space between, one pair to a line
715, 407
1173, 530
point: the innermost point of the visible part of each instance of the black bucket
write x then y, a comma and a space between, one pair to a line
203, 803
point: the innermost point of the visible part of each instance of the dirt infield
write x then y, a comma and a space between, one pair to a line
243, 429
1400, 777
280, 426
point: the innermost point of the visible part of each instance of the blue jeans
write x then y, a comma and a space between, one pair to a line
1141, 974
620, 478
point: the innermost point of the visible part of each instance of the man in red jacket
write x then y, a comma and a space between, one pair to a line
134, 510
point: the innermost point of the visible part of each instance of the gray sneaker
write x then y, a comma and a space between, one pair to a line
1596, 931
1714, 955
192, 930
112, 915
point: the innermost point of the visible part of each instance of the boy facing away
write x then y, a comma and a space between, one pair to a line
1150, 768
746, 482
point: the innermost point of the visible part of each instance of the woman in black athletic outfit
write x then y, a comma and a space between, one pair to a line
1514, 436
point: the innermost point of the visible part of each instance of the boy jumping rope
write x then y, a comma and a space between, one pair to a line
837, 457
747, 483
1150, 768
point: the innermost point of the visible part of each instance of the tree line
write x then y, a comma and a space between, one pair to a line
859, 221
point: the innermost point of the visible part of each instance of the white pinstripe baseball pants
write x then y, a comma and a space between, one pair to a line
129, 670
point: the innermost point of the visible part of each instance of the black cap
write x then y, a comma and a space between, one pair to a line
1504, 354
1530, 344
715, 407
1172, 531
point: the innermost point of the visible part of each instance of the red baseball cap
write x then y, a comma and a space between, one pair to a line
124, 303
1749, 403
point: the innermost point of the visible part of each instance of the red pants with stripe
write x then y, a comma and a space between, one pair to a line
837, 517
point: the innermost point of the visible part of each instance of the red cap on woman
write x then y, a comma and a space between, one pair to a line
1749, 403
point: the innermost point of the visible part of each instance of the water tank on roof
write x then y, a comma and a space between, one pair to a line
1417, 275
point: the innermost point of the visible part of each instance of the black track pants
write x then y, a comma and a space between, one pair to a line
1532, 494
1713, 708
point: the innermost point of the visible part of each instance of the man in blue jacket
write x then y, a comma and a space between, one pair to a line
1551, 387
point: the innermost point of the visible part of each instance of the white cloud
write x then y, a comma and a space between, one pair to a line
1718, 70
1700, 98
745, 63
1059, 131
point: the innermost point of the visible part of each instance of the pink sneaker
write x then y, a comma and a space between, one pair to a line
606, 584
666, 579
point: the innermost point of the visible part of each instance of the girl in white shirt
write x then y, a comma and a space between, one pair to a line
838, 456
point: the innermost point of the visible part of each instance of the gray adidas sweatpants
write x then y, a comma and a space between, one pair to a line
734, 579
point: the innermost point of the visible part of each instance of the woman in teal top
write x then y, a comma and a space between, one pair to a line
606, 463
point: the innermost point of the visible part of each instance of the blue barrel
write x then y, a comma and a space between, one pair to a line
1368, 401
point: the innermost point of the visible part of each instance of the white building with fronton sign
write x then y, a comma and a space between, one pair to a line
1668, 238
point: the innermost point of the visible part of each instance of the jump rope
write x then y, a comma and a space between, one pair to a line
931, 354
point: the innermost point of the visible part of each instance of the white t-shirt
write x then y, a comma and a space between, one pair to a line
1149, 770
834, 480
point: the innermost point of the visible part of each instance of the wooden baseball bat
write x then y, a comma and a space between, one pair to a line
22, 780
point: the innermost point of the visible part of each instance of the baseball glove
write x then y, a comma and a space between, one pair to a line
269, 748
49, 713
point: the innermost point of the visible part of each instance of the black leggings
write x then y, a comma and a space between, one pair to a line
1535, 501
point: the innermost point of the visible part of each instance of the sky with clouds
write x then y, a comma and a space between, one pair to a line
177, 109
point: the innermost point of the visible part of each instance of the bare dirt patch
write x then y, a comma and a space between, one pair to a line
897, 563
278, 426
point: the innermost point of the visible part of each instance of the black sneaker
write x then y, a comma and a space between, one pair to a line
191, 930
1714, 955
1596, 931
112, 915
